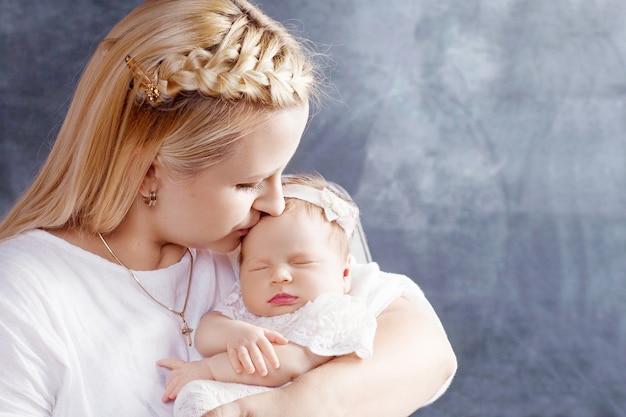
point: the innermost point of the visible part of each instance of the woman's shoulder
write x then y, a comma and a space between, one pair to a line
33, 247
29, 260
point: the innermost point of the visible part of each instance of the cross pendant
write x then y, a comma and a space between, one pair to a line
186, 331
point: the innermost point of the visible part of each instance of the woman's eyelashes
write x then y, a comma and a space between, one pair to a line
252, 187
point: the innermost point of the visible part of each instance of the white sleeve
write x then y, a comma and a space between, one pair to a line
381, 288
32, 371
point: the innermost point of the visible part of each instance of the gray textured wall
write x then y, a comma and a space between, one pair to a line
485, 143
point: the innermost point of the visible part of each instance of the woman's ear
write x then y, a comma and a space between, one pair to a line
150, 183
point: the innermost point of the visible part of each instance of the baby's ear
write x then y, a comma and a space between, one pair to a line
347, 275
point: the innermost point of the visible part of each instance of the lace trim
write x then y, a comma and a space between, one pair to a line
332, 325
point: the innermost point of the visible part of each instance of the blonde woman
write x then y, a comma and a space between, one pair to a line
172, 148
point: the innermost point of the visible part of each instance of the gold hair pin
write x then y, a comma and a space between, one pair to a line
151, 89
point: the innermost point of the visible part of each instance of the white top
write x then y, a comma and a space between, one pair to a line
331, 325
78, 337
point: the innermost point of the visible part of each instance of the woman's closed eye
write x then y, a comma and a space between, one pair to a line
251, 187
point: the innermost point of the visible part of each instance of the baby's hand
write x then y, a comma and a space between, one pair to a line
181, 373
251, 346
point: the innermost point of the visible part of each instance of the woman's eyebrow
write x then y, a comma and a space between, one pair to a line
263, 175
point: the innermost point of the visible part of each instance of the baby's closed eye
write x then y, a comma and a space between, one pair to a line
303, 262
256, 267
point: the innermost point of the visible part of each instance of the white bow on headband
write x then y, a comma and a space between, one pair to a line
335, 209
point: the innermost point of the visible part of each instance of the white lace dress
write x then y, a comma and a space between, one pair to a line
332, 325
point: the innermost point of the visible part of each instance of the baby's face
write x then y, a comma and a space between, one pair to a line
289, 260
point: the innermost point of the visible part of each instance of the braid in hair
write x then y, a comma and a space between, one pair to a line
255, 61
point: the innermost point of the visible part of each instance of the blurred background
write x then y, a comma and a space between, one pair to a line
485, 144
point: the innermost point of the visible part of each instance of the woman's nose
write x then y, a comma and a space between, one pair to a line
271, 201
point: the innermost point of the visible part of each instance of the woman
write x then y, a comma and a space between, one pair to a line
173, 146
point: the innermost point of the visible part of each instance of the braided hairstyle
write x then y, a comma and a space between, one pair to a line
248, 57
178, 80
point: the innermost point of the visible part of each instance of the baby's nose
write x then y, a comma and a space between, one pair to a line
281, 275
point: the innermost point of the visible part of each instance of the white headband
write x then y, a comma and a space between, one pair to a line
335, 208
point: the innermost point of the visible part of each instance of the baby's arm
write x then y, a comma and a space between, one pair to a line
248, 346
230, 346
295, 360
182, 373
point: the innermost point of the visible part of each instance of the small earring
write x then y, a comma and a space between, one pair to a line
150, 201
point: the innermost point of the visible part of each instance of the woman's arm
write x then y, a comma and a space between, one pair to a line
412, 360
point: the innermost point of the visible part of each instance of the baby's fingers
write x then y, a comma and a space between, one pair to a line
250, 360
233, 357
258, 361
267, 349
168, 394
170, 363
276, 337
173, 387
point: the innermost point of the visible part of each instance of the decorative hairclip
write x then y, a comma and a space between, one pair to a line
151, 89
335, 208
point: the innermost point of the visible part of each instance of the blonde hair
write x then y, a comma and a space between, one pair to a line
219, 69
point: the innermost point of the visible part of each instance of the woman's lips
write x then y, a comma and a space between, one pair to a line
245, 230
283, 299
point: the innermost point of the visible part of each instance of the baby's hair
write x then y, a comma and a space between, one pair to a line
316, 181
